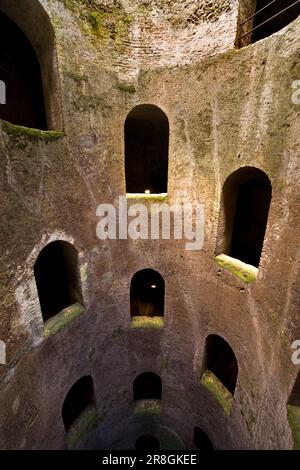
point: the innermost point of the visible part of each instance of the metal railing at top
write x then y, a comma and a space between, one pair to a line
268, 20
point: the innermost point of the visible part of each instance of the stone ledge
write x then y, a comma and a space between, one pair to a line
127, 87
246, 272
62, 319
147, 322
220, 392
147, 407
143, 198
293, 413
32, 134
85, 423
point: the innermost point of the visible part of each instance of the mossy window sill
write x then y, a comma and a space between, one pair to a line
221, 394
147, 198
147, 407
126, 86
62, 319
85, 423
139, 322
293, 413
33, 134
244, 271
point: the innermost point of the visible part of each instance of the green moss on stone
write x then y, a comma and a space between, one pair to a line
117, 332
122, 30
244, 271
222, 395
97, 23
147, 407
70, 4
147, 322
94, 20
63, 318
163, 363
127, 87
105, 21
85, 423
142, 198
111, 23
293, 413
78, 78
33, 134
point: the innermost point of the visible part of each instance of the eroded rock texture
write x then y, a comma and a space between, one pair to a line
227, 108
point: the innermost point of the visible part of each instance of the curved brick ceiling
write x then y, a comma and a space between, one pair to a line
132, 34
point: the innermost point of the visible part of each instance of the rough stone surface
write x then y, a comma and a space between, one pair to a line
227, 108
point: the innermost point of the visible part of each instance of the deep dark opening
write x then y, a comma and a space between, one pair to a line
146, 150
276, 23
295, 394
57, 278
250, 220
20, 71
247, 195
79, 397
201, 440
147, 294
147, 386
147, 442
221, 360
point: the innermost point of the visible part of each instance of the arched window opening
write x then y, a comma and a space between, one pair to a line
146, 150
221, 361
79, 397
147, 294
263, 18
147, 442
57, 278
201, 440
147, 386
20, 71
29, 66
247, 196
